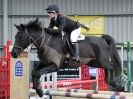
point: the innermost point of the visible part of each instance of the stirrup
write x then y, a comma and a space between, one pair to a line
76, 59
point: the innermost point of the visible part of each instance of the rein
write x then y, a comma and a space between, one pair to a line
42, 37
34, 41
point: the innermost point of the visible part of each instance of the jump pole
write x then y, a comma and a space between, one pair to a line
96, 92
82, 95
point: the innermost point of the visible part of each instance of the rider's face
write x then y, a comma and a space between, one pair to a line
51, 15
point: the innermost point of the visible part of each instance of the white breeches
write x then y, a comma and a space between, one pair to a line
75, 34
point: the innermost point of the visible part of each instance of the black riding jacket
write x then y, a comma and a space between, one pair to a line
64, 24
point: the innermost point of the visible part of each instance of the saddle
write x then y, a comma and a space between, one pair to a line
65, 43
68, 47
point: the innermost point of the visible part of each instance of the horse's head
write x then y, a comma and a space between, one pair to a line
21, 41
27, 34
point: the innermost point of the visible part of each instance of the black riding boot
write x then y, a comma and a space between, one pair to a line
76, 52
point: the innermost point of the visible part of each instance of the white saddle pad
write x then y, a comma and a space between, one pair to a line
81, 37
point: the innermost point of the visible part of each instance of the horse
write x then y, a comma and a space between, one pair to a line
54, 53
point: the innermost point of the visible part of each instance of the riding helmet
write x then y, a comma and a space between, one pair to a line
52, 8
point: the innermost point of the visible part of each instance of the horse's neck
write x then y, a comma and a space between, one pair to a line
37, 38
54, 42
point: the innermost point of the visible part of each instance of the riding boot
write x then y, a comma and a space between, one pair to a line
76, 52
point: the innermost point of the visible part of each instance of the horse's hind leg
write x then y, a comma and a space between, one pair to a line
109, 77
114, 84
107, 66
103, 59
105, 63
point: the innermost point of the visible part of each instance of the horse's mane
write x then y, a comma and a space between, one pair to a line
37, 25
34, 25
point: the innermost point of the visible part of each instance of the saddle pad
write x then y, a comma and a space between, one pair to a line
81, 37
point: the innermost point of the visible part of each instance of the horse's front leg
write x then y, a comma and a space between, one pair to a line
36, 74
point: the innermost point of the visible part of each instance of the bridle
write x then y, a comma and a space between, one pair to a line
33, 41
42, 37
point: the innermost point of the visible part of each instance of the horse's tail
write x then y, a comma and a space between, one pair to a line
115, 58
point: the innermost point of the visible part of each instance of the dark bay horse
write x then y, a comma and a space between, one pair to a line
99, 52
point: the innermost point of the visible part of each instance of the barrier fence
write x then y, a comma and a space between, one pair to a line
84, 82
5, 72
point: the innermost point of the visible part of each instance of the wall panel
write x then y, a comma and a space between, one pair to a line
1, 30
69, 7
120, 27
1, 7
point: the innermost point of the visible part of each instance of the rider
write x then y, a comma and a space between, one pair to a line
67, 25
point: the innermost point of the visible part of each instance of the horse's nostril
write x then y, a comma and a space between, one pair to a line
14, 54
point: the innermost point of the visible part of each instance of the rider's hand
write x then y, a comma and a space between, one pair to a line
46, 29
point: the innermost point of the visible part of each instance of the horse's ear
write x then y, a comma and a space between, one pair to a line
22, 27
36, 21
17, 26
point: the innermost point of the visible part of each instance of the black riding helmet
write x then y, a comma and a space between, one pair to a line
52, 8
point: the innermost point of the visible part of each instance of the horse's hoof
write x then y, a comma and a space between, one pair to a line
118, 89
39, 92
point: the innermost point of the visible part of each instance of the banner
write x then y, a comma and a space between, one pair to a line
95, 23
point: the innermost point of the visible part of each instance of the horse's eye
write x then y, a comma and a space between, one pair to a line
20, 37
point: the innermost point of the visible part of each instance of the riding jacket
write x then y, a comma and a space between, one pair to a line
64, 24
